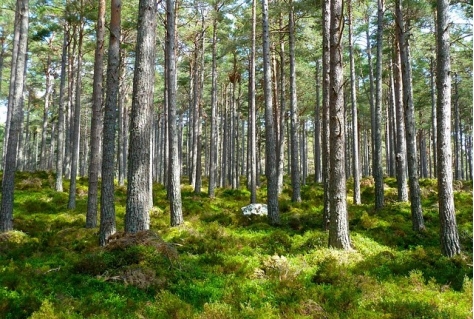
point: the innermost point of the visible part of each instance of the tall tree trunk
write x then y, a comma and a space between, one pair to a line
377, 115
339, 222
61, 115
13, 73
433, 115
76, 130
107, 206
83, 144
270, 145
355, 126
2, 57
174, 191
415, 197
400, 116
371, 91
253, 112
96, 121
392, 138
137, 215
326, 12
70, 103
24, 165
280, 110
16, 110
213, 135
423, 161
46, 111
122, 120
317, 129
198, 93
449, 233
295, 169
457, 132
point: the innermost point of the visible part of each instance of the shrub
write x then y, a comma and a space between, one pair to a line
30, 183
46, 311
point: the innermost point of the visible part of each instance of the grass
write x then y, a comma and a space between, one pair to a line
220, 264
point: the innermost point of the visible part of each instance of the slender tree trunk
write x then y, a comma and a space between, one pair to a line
76, 131
339, 222
295, 170
83, 144
280, 110
457, 132
107, 206
270, 145
213, 137
317, 129
326, 11
423, 161
433, 115
400, 116
71, 93
137, 217
13, 73
46, 111
377, 115
52, 146
253, 112
96, 121
24, 165
176, 217
61, 115
371, 92
199, 84
122, 116
392, 139
2, 57
450, 245
415, 197
16, 110
355, 126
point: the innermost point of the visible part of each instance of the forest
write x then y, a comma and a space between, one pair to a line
135, 135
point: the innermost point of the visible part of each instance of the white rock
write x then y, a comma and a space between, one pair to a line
255, 209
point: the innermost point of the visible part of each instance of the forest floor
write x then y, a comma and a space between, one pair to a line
220, 264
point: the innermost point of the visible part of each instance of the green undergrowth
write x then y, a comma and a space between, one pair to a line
220, 264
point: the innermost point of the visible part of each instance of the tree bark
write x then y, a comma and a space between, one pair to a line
270, 145
295, 169
76, 130
449, 236
16, 110
339, 225
13, 73
326, 11
415, 197
317, 129
46, 111
355, 126
371, 91
377, 115
107, 206
457, 132
280, 109
61, 119
400, 117
174, 191
213, 135
253, 113
96, 121
137, 217
433, 115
